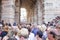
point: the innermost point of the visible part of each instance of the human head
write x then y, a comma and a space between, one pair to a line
23, 33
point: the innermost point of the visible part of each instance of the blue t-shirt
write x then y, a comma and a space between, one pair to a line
35, 30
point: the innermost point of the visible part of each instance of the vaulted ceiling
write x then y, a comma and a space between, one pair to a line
28, 3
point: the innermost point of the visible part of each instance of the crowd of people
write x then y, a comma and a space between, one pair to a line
50, 31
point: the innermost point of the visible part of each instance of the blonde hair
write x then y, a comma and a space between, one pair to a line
42, 27
23, 32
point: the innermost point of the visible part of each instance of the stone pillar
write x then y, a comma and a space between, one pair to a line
8, 10
17, 11
28, 15
32, 15
40, 12
35, 14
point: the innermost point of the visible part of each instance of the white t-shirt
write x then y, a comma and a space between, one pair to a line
17, 37
5, 38
31, 37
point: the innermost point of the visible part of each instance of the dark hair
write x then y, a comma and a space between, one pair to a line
40, 34
30, 24
53, 34
29, 29
6, 24
9, 24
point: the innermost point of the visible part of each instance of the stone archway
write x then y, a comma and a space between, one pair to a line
11, 10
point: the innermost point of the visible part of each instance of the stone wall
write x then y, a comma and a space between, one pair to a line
8, 10
52, 9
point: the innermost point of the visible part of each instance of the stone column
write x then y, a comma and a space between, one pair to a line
17, 11
28, 15
35, 14
8, 10
32, 15
40, 12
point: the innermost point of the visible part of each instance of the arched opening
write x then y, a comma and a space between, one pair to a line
23, 17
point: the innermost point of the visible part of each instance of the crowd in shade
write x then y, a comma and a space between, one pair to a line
50, 31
